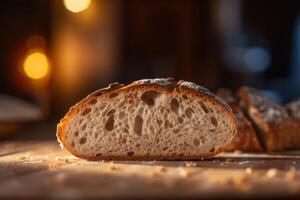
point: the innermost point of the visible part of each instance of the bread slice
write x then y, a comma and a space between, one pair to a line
276, 129
246, 139
149, 119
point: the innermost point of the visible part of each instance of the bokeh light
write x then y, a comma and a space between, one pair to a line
76, 6
257, 59
36, 65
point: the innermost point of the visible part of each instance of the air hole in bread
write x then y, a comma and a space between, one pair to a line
86, 111
212, 130
76, 134
196, 142
99, 154
152, 129
98, 94
138, 125
214, 121
179, 135
149, 97
189, 112
180, 120
124, 140
130, 153
113, 95
83, 127
165, 148
109, 125
185, 97
80, 121
174, 105
167, 124
93, 101
112, 111
137, 145
176, 131
121, 115
159, 122
212, 150
82, 140
204, 108
72, 144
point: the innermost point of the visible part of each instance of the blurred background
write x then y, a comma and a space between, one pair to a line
55, 52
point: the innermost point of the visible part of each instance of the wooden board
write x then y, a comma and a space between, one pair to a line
38, 169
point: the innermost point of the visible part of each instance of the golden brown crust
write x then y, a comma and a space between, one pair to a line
277, 130
246, 139
163, 85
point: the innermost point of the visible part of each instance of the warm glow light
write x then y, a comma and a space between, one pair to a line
36, 65
76, 6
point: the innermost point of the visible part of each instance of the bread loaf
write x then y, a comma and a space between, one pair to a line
246, 139
275, 128
150, 119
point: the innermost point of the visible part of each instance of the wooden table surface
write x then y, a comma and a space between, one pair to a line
38, 168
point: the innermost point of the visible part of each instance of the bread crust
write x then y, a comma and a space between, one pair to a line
246, 139
168, 86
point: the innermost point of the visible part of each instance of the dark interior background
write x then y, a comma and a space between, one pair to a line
216, 43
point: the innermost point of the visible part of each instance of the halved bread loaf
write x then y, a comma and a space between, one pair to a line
246, 139
149, 119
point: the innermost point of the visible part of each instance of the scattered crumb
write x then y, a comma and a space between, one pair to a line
182, 172
65, 160
54, 165
248, 170
271, 173
24, 157
239, 181
190, 164
113, 167
290, 175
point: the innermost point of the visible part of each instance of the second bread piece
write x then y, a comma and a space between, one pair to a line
276, 130
246, 139
149, 119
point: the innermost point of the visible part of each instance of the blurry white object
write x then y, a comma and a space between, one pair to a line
13, 109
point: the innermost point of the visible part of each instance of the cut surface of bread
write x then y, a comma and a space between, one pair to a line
246, 139
158, 119
276, 129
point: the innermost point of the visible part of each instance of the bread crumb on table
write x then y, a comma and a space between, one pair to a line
182, 172
24, 157
248, 170
54, 165
271, 173
290, 175
239, 181
113, 167
190, 164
